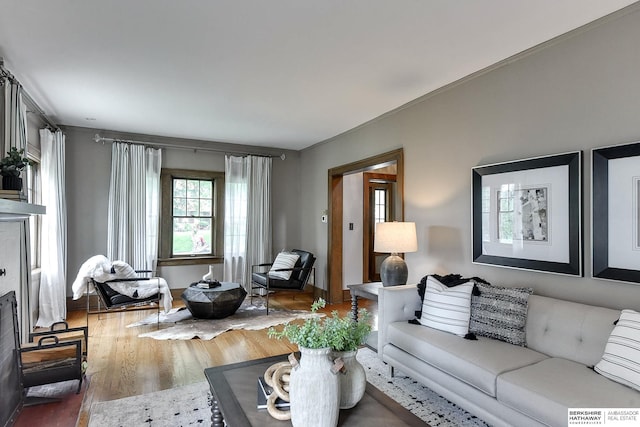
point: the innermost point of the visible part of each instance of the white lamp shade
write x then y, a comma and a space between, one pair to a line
395, 237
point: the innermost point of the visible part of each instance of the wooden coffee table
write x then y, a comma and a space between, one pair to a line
234, 389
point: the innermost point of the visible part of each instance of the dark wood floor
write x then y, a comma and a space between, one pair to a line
123, 365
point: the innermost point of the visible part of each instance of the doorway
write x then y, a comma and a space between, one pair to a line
378, 206
394, 159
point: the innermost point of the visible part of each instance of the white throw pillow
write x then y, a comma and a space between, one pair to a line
447, 309
621, 359
283, 260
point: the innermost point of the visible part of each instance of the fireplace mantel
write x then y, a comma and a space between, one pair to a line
11, 207
15, 265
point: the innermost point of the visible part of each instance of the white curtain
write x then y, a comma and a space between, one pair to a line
53, 279
247, 222
258, 212
132, 223
235, 219
15, 117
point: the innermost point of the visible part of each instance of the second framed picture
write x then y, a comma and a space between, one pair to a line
616, 212
527, 214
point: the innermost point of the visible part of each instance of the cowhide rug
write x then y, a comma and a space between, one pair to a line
179, 324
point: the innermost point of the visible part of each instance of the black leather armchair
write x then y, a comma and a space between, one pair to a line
115, 301
300, 274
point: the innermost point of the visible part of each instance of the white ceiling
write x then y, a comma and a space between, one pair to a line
281, 73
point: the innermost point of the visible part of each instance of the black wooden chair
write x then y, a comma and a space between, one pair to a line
300, 274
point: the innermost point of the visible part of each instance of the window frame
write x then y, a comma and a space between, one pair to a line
165, 256
33, 190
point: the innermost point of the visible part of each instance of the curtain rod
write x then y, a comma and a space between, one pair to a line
98, 138
34, 107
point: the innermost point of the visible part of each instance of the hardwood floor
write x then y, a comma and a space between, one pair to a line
122, 365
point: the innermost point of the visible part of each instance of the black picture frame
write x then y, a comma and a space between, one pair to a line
604, 169
569, 260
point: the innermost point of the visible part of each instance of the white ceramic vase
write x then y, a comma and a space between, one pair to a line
209, 276
353, 379
314, 390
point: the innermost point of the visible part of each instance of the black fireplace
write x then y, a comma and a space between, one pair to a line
11, 390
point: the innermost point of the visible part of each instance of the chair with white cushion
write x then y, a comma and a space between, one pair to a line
289, 271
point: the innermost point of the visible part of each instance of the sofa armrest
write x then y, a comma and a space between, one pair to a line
395, 303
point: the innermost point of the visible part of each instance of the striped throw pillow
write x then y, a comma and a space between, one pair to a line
447, 309
621, 359
283, 260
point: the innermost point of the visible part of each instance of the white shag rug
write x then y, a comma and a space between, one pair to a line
179, 324
190, 405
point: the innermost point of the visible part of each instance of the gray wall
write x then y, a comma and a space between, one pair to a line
577, 93
88, 170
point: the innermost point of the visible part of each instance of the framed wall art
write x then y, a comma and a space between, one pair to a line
615, 214
527, 214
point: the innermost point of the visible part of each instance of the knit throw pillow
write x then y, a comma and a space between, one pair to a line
447, 309
500, 313
621, 359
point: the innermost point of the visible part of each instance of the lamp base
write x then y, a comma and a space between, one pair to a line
393, 271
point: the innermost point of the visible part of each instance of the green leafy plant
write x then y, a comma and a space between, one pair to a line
346, 334
338, 333
14, 162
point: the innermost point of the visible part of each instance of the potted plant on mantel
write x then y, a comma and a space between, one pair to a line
10, 167
315, 384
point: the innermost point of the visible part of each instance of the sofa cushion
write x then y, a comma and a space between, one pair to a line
475, 362
621, 359
569, 330
544, 391
500, 313
447, 309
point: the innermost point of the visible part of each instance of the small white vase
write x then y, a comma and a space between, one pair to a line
209, 276
353, 379
314, 390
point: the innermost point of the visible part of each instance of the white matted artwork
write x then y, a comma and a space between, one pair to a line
526, 214
616, 212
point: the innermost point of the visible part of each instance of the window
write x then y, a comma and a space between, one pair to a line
505, 213
34, 195
380, 205
191, 216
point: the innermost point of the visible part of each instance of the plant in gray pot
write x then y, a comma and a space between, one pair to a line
347, 336
314, 387
328, 377
10, 167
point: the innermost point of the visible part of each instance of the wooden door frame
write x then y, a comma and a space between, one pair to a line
336, 197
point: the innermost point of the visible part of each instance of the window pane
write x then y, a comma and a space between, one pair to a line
206, 189
205, 207
193, 207
179, 187
193, 188
179, 207
191, 236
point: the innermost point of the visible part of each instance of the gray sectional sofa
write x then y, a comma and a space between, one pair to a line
501, 383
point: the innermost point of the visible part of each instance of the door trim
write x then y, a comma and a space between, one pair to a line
336, 197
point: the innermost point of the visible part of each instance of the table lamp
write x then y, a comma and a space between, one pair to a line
395, 238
